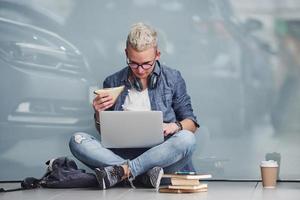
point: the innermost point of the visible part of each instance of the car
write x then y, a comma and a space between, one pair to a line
44, 78
50, 77
29, 13
45, 90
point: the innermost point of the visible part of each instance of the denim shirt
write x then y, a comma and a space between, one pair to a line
169, 96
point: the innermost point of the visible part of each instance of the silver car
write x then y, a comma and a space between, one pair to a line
44, 80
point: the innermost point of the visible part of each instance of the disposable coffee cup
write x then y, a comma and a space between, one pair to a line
269, 171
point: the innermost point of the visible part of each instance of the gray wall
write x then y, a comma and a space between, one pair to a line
245, 90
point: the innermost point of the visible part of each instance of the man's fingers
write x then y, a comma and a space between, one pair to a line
166, 131
102, 101
169, 128
108, 105
103, 94
104, 105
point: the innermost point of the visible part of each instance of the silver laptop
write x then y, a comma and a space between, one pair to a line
131, 129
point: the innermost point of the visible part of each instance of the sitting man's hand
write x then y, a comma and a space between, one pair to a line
170, 128
103, 101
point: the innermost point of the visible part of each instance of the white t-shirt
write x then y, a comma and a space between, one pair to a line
137, 101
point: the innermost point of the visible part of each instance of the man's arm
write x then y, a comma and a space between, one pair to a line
101, 102
182, 105
188, 124
97, 121
173, 127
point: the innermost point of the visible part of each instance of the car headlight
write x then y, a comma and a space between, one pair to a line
47, 58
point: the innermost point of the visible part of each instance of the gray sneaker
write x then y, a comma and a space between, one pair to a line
109, 176
152, 177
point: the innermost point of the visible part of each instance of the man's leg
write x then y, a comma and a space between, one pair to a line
89, 150
108, 166
183, 164
173, 153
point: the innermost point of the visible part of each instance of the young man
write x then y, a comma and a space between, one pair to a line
148, 86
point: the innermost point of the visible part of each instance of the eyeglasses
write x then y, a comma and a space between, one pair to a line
146, 65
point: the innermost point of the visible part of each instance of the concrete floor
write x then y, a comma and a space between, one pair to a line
216, 190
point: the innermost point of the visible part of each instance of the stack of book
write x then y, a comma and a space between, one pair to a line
185, 183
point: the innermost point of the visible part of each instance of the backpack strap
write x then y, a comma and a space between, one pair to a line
10, 190
26, 184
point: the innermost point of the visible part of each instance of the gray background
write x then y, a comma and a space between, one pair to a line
242, 75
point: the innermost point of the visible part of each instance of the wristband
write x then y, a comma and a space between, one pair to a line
179, 125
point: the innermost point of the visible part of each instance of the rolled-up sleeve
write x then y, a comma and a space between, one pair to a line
182, 101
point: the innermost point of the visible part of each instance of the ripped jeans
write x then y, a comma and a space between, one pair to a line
172, 155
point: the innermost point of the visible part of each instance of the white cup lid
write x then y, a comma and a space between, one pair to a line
269, 163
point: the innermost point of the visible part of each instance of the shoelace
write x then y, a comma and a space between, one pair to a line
130, 180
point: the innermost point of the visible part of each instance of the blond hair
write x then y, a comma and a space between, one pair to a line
141, 37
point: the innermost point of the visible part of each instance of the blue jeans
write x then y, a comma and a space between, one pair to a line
173, 154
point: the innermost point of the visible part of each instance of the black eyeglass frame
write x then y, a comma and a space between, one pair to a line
134, 65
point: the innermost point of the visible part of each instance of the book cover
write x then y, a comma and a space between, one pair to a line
114, 92
188, 187
180, 181
168, 190
189, 176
